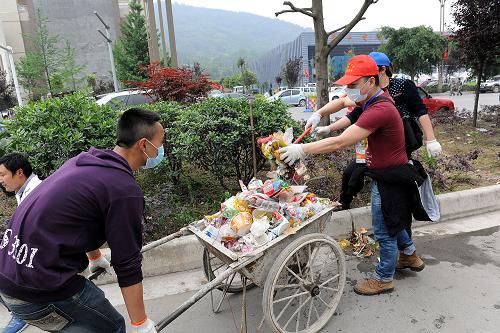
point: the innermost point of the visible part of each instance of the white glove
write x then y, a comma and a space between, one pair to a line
322, 131
290, 154
434, 148
95, 264
147, 327
313, 121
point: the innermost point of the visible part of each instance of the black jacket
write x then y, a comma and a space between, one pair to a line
398, 187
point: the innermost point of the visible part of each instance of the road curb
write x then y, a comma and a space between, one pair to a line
185, 253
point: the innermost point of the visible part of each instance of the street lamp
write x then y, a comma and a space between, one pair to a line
441, 31
107, 37
10, 53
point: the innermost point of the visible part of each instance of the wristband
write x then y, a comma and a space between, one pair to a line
139, 323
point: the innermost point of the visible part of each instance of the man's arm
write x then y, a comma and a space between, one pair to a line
425, 122
335, 106
134, 301
340, 124
348, 138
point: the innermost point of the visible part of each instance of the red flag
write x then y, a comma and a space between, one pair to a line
306, 73
445, 54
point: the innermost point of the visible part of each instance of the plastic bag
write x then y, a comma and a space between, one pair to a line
260, 226
227, 234
241, 223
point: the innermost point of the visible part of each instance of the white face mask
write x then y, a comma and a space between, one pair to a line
354, 94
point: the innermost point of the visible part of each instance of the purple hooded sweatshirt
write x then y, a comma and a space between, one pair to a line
93, 198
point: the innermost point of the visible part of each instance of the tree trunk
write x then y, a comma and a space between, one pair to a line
320, 58
476, 99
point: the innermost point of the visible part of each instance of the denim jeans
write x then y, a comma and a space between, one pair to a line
88, 311
389, 246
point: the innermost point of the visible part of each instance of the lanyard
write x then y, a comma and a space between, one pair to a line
368, 102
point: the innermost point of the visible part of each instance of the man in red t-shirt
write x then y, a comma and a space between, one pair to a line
381, 128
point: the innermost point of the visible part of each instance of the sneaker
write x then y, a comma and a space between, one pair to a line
412, 262
373, 287
15, 325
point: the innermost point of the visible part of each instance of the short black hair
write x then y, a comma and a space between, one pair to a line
388, 70
16, 161
134, 124
377, 80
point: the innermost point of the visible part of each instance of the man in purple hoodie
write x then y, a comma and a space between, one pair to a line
92, 199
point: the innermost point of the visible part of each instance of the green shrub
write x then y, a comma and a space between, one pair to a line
52, 131
215, 135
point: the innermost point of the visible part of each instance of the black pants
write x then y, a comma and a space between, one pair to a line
351, 187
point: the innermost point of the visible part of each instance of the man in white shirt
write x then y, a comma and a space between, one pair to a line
16, 175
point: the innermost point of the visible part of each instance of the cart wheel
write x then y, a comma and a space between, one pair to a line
213, 266
305, 284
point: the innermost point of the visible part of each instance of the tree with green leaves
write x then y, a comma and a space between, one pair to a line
476, 33
39, 66
413, 50
232, 81
292, 70
70, 69
248, 78
7, 95
31, 74
131, 50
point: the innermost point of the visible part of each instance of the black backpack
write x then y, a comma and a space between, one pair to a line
413, 133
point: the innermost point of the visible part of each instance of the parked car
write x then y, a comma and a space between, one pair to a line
436, 105
308, 91
336, 92
233, 95
290, 96
123, 99
429, 83
492, 85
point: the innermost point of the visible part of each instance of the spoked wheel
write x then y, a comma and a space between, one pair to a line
305, 284
213, 266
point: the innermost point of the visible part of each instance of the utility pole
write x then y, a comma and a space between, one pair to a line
107, 37
171, 34
154, 52
162, 32
12, 66
441, 31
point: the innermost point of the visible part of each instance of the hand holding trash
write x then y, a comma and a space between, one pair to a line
148, 326
434, 148
99, 262
313, 121
292, 153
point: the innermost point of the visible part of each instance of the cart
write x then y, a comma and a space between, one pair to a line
302, 274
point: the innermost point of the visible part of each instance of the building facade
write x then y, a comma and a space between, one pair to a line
268, 66
71, 20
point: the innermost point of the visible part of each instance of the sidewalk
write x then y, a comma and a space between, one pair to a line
457, 292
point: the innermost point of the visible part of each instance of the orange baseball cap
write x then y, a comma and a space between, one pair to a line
358, 66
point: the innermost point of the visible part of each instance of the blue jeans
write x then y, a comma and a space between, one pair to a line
389, 246
88, 311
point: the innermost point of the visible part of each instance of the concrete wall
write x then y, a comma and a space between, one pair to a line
74, 20
10, 28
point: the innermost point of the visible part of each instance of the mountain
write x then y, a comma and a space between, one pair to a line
217, 38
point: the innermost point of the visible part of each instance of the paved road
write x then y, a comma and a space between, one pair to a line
465, 101
458, 292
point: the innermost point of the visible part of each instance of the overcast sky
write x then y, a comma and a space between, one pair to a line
395, 13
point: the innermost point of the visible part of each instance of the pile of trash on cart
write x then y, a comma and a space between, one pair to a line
261, 212
264, 210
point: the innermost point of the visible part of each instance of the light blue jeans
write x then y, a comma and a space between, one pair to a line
389, 246
88, 311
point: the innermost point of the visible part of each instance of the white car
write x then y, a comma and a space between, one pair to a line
125, 98
336, 92
289, 96
308, 91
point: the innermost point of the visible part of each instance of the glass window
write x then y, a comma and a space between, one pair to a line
295, 92
286, 93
